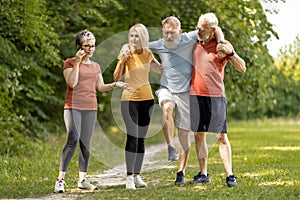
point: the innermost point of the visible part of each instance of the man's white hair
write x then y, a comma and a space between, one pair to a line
210, 18
171, 20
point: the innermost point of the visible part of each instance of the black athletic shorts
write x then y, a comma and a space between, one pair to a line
208, 114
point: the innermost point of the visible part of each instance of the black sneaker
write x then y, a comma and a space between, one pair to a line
201, 178
231, 181
179, 178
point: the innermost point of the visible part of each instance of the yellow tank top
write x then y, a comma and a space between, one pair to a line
137, 69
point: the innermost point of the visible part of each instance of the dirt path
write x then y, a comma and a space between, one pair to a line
155, 158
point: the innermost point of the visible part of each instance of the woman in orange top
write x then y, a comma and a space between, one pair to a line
83, 78
137, 102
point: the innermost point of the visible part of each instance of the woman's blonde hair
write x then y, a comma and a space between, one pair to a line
142, 32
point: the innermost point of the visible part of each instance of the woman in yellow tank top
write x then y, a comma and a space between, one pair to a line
137, 102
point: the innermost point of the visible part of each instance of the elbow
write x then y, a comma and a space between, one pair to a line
243, 67
100, 89
72, 85
117, 77
118, 73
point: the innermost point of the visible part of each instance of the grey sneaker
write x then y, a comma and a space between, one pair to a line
201, 178
59, 186
179, 178
86, 185
231, 181
173, 155
138, 181
130, 183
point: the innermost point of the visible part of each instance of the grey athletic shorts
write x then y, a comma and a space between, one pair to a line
208, 114
181, 103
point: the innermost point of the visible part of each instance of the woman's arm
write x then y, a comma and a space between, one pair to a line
120, 70
102, 87
120, 67
72, 74
219, 35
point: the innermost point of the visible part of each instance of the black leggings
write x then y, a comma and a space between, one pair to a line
136, 115
80, 126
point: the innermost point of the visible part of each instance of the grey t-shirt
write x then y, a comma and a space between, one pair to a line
177, 63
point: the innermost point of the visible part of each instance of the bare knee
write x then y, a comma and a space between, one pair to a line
167, 108
200, 136
183, 137
222, 138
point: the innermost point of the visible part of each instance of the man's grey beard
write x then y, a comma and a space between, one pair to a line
172, 44
203, 38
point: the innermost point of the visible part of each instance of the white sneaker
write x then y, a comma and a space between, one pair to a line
139, 182
59, 186
130, 183
86, 185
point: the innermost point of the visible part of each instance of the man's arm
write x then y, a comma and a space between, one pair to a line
156, 66
237, 62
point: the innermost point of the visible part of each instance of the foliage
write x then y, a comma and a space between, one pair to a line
28, 54
245, 25
285, 82
37, 35
265, 160
10, 140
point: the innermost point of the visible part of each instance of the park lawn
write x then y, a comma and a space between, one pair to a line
33, 172
265, 160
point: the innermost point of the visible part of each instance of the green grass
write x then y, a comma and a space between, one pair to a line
265, 160
34, 171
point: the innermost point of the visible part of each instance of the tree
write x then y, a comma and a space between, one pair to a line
285, 81
37, 35
27, 54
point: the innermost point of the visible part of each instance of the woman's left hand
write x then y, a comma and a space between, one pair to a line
121, 84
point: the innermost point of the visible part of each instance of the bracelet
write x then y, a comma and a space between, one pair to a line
232, 53
221, 42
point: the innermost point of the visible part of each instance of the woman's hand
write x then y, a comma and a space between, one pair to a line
125, 52
79, 55
121, 84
